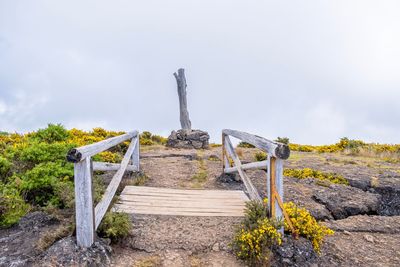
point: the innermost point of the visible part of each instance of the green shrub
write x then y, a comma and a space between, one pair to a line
283, 140
146, 135
49, 183
12, 206
255, 210
53, 133
245, 145
5, 167
260, 156
115, 225
36, 153
148, 139
159, 139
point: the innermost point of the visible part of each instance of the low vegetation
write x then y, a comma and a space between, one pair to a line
201, 176
354, 147
115, 225
258, 235
306, 225
34, 173
310, 173
149, 139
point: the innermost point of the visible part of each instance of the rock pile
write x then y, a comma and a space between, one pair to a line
196, 139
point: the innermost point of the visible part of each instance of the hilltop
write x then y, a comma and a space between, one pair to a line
351, 187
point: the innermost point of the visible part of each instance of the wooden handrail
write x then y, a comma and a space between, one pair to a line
87, 218
77, 154
276, 153
274, 149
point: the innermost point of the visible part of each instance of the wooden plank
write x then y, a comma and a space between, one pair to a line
186, 196
248, 166
187, 209
248, 184
189, 195
275, 149
132, 188
85, 225
103, 205
132, 210
187, 204
80, 153
154, 198
107, 166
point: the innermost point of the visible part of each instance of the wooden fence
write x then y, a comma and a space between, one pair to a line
276, 154
87, 217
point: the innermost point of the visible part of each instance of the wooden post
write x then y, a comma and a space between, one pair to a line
84, 203
275, 189
272, 176
184, 114
136, 154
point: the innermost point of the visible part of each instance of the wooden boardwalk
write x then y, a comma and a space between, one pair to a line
166, 201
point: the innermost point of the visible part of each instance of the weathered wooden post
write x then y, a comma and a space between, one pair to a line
85, 225
184, 114
136, 154
186, 137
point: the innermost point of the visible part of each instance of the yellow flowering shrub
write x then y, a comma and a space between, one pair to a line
107, 156
253, 245
310, 173
256, 235
260, 156
306, 225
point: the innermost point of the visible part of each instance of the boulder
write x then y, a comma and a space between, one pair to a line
66, 252
188, 139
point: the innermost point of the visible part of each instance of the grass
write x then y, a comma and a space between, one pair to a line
200, 177
50, 237
151, 261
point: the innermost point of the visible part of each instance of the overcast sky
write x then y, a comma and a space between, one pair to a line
313, 71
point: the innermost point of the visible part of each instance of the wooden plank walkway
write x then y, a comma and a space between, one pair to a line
166, 201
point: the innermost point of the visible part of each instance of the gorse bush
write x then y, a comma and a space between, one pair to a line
352, 147
34, 172
43, 184
260, 156
306, 225
310, 173
256, 236
12, 205
115, 225
53, 133
245, 145
5, 166
283, 140
148, 139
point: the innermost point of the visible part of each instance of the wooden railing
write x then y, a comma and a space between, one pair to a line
276, 154
87, 217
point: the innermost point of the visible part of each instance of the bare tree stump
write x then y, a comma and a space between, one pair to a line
184, 114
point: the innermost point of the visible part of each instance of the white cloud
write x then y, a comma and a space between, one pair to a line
313, 71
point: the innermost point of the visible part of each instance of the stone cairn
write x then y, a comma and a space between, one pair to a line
186, 137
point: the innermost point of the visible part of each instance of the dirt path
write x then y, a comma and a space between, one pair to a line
178, 240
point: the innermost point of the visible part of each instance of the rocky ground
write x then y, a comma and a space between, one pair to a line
364, 215
365, 235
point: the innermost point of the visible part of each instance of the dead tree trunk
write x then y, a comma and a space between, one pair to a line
184, 114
